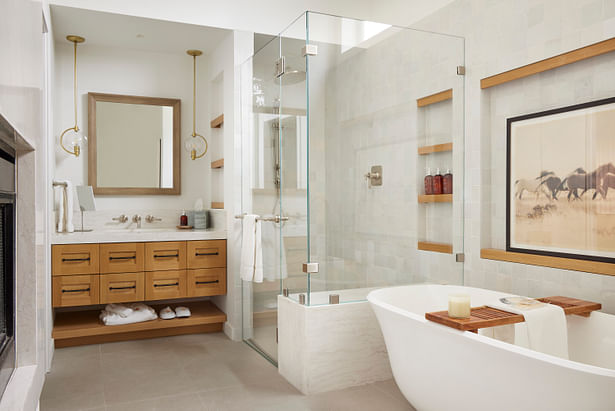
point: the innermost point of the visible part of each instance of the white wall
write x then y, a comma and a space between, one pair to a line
501, 36
140, 73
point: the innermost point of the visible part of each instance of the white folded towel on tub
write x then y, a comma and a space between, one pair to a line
251, 265
112, 314
547, 330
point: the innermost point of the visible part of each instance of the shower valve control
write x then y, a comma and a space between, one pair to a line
374, 176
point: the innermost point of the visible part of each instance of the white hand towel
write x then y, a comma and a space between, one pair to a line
64, 206
119, 309
140, 313
251, 266
274, 255
68, 209
547, 331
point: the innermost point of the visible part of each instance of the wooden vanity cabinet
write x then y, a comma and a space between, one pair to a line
70, 259
121, 258
75, 290
121, 288
165, 255
162, 285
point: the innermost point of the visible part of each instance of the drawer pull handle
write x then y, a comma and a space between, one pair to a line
80, 290
207, 282
123, 288
166, 255
201, 254
64, 260
167, 285
132, 257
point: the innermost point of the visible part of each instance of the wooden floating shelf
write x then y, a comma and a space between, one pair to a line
217, 204
437, 148
483, 317
560, 60
217, 163
587, 266
435, 247
435, 98
435, 198
84, 327
217, 122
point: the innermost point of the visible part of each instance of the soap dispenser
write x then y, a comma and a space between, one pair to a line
447, 182
437, 182
428, 182
183, 219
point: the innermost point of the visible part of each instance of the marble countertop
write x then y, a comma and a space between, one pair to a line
137, 235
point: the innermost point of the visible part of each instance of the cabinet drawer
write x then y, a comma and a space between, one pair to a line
165, 256
121, 288
206, 254
206, 281
73, 290
160, 285
121, 258
70, 259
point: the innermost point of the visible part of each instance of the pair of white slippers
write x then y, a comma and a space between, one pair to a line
167, 313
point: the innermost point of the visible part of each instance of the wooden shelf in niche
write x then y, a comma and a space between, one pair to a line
436, 148
435, 198
587, 266
217, 163
435, 98
217, 204
84, 327
435, 247
560, 60
217, 122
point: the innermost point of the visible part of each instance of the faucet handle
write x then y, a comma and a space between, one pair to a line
122, 218
150, 218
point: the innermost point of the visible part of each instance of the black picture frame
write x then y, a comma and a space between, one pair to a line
509, 123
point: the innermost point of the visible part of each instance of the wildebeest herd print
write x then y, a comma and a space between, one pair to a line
561, 182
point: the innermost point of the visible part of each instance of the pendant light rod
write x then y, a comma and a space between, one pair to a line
76, 149
193, 154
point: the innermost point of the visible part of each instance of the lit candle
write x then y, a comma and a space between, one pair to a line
459, 306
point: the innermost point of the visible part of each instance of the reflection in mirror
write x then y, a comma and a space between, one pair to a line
134, 145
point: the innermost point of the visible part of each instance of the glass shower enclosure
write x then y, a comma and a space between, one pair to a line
341, 121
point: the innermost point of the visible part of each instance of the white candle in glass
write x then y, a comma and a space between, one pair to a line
459, 306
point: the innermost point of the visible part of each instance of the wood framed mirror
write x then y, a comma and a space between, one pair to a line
134, 145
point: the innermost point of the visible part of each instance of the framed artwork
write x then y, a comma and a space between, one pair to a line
560, 187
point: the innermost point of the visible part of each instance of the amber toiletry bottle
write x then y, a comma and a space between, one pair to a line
447, 182
428, 182
437, 182
183, 219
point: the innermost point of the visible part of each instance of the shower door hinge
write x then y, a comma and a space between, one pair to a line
461, 70
280, 67
309, 50
310, 268
276, 335
460, 257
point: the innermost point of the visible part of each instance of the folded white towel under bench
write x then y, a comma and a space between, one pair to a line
118, 314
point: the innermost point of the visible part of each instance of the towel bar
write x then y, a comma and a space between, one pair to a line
276, 218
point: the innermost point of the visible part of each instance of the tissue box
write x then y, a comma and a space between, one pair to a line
199, 220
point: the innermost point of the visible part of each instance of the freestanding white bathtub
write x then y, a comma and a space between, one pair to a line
440, 368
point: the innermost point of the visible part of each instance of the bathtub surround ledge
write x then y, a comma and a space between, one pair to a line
330, 347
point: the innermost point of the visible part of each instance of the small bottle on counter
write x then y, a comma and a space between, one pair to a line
437, 182
183, 219
428, 182
447, 182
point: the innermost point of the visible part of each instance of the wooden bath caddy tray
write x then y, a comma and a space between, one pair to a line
483, 317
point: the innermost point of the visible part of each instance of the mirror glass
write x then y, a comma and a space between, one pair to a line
134, 146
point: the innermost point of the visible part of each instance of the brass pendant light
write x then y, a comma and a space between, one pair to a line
77, 137
192, 144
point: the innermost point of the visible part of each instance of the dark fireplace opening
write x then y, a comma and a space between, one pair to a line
7, 267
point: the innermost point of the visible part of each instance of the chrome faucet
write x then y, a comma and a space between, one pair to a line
122, 218
150, 218
137, 219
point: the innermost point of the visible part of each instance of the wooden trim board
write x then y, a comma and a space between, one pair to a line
436, 148
435, 247
217, 163
435, 98
435, 198
217, 122
560, 60
217, 204
587, 266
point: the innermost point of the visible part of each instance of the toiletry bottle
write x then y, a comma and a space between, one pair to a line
447, 182
183, 219
428, 182
437, 182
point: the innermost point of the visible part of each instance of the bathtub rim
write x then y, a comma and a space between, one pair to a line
372, 297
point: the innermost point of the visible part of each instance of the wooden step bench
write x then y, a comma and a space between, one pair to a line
484, 317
